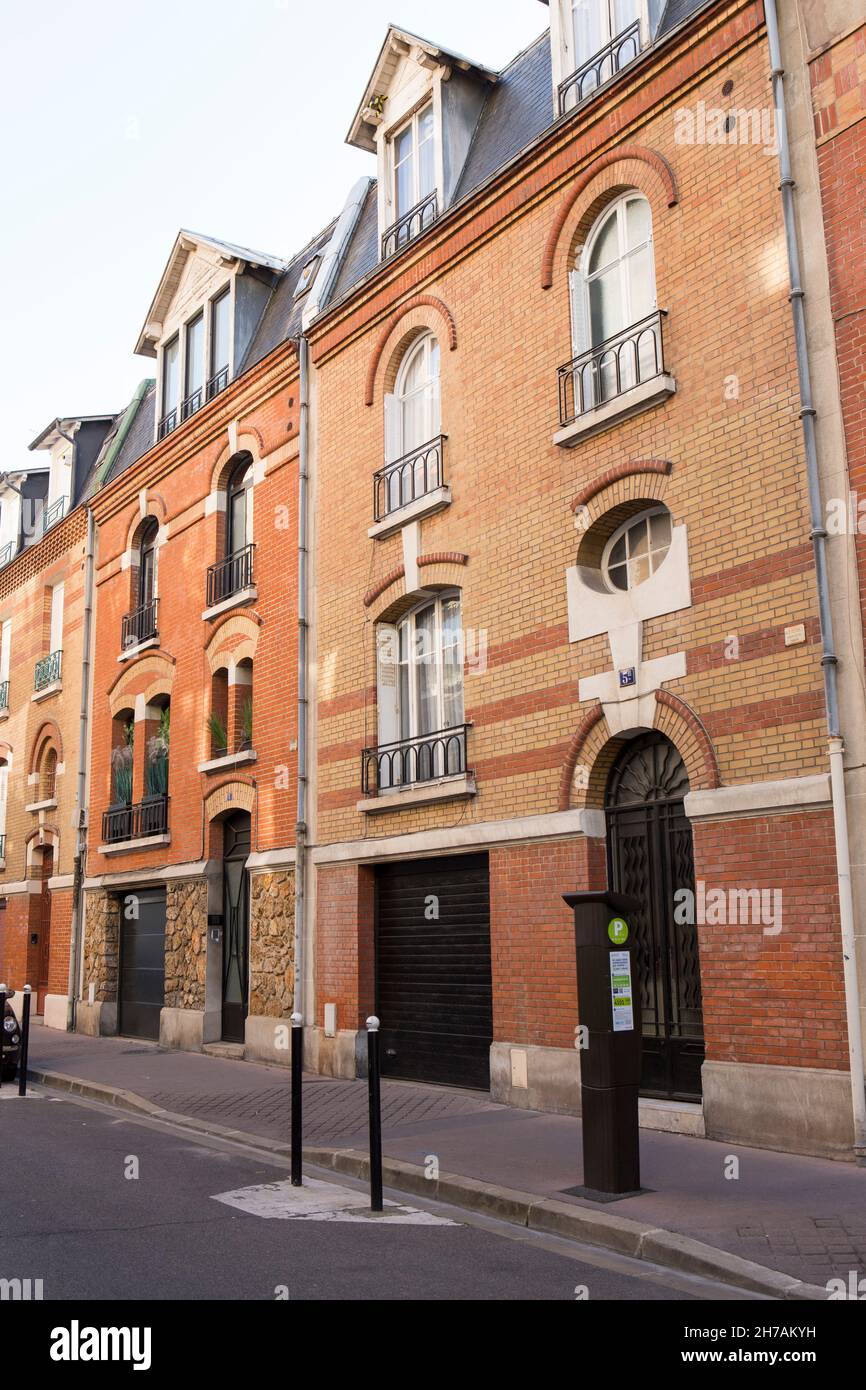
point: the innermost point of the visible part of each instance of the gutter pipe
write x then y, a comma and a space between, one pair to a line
303, 674
829, 659
76, 933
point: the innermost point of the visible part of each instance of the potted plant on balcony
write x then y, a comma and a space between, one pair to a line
156, 770
219, 739
246, 741
121, 777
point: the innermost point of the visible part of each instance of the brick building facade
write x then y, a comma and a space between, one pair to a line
562, 626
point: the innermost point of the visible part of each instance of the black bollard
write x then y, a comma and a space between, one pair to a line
2, 1028
375, 1113
25, 1043
297, 1099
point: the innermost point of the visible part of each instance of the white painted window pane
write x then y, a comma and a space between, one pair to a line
170, 376
625, 12
57, 618
640, 281
426, 154
605, 249
426, 671
590, 28
219, 355
638, 222
452, 663
660, 531
195, 355
605, 306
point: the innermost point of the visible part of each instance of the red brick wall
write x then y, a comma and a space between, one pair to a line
774, 998
344, 943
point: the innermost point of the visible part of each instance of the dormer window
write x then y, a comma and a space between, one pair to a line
592, 41
219, 343
194, 367
170, 386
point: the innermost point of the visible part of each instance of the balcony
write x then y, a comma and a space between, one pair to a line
413, 486
412, 762
618, 378
230, 577
410, 225
47, 672
604, 65
7, 554
142, 821
51, 515
191, 403
4, 697
167, 424
218, 382
139, 625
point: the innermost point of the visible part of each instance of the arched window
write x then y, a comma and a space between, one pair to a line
613, 297
147, 562
596, 23
413, 446
156, 751
420, 693
122, 757
636, 549
239, 510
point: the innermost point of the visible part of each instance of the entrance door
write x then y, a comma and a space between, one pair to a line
142, 963
649, 843
236, 925
434, 993
44, 931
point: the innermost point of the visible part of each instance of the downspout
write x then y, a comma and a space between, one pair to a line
303, 630
76, 933
829, 659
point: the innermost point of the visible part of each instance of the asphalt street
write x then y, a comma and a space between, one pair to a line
106, 1206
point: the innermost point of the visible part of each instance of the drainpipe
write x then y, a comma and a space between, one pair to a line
76, 933
303, 558
829, 659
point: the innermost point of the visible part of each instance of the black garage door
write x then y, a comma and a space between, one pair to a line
433, 984
142, 963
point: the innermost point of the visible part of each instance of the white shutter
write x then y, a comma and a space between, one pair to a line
580, 341
392, 429
57, 618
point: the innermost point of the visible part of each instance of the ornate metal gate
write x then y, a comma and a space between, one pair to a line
650, 857
236, 925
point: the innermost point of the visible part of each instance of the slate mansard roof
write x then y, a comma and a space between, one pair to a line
518, 109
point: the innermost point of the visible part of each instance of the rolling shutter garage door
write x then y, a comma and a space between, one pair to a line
433, 981
142, 965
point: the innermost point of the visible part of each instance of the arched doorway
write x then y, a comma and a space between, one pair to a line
236, 926
650, 857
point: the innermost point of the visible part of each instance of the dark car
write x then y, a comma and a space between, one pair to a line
11, 1043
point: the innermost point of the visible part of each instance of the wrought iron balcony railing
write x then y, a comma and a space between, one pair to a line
7, 554
621, 362
230, 576
167, 424
4, 695
51, 515
47, 670
135, 822
410, 225
421, 759
408, 478
218, 382
191, 403
604, 65
139, 625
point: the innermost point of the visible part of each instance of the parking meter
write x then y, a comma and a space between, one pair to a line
608, 1002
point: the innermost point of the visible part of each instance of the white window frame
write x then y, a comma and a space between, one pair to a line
56, 622
581, 321
176, 335
564, 57
388, 682
413, 123
395, 436
630, 524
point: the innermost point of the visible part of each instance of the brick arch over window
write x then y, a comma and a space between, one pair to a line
234, 795
48, 734
628, 166
642, 468
234, 639
440, 316
149, 676
594, 749
155, 507
438, 570
249, 441
44, 837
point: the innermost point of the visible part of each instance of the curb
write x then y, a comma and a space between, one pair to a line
638, 1239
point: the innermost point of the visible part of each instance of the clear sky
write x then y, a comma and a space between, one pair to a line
123, 122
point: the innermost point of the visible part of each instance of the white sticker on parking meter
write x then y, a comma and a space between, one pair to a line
620, 991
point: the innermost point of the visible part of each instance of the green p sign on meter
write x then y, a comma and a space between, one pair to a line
617, 930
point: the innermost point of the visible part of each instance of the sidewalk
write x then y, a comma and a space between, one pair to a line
802, 1217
